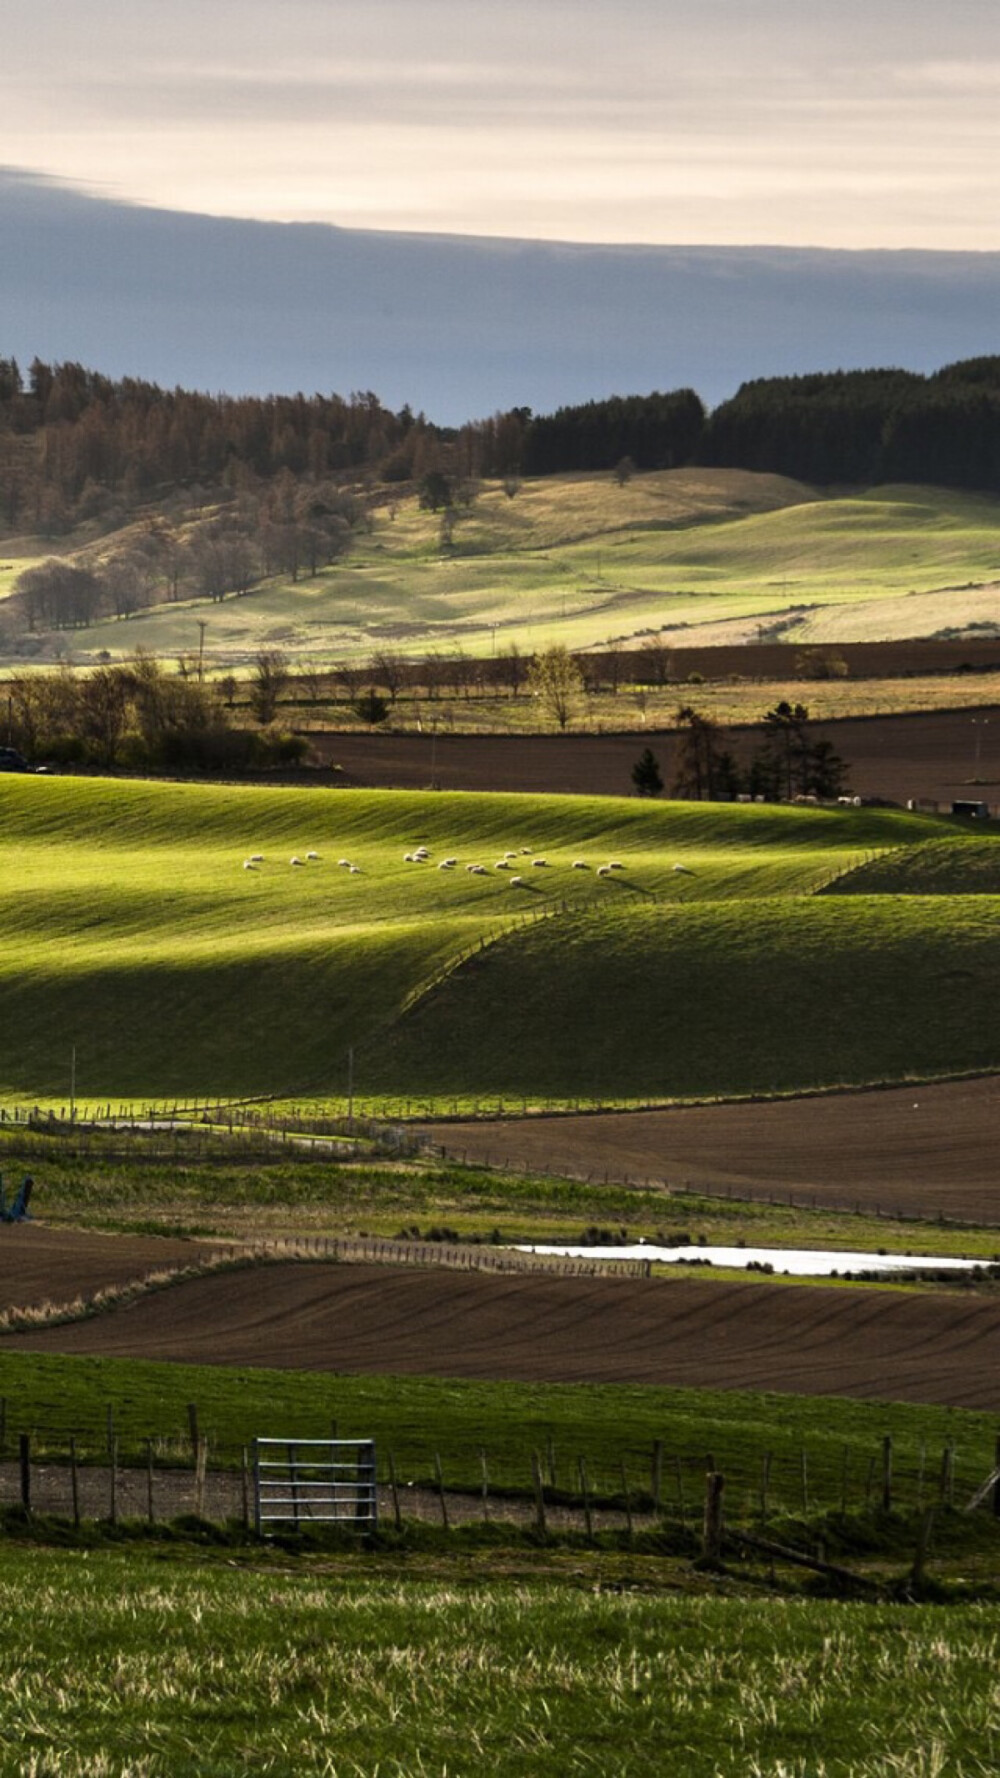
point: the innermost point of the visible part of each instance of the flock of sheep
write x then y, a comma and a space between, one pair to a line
422, 855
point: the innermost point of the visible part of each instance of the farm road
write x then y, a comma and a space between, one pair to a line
928, 1346
918, 1149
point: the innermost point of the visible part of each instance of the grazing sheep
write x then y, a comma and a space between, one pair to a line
604, 870
248, 864
510, 854
516, 883
616, 864
479, 870
526, 851
687, 871
540, 863
295, 861
502, 864
343, 864
256, 858
355, 870
447, 864
408, 858
421, 854
580, 864
312, 854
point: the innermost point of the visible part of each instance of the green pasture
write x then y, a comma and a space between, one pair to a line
718, 997
579, 560
934, 868
126, 1664
55, 1397
131, 930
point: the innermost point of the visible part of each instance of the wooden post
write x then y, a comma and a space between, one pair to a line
193, 1428
923, 1545
628, 1500
3, 1425
110, 1429
24, 1459
869, 1482
845, 1462
947, 1475
711, 1547
656, 1475
201, 1465
887, 1473
113, 1483
996, 1485
74, 1483
150, 1501
550, 1454
485, 1471
765, 1480
539, 1486
396, 1514
805, 1482
585, 1492
680, 1489
440, 1486
921, 1471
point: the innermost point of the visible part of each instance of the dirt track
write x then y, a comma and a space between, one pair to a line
892, 756
932, 1347
919, 1150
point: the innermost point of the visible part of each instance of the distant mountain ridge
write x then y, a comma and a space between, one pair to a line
458, 326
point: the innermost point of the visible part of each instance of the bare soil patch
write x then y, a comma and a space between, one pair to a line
915, 1150
47, 1265
896, 757
872, 1344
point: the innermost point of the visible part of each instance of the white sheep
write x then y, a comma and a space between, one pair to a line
502, 864
687, 871
479, 870
540, 863
510, 854
355, 870
526, 851
248, 864
312, 854
295, 861
604, 870
420, 854
256, 858
616, 864
517, 883
343, 864
580, 864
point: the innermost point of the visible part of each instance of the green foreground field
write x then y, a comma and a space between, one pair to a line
133, 1666
705, 965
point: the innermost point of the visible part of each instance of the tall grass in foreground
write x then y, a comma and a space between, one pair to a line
130, 1667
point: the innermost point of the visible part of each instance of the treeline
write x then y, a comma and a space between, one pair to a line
77, 446
137, 716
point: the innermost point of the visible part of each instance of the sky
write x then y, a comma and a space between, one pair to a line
821, 123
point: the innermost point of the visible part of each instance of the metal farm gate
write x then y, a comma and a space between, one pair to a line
314, 1481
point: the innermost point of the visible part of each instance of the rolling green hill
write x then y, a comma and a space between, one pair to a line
580, 560
131, 930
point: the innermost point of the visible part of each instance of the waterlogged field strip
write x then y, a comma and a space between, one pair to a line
202, 1670
128, 925
55, 1396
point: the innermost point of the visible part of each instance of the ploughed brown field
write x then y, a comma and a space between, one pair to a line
895, 757
873, 1344
43, 1265
918, 1150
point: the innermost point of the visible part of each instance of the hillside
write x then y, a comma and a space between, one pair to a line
713, 555
132, 931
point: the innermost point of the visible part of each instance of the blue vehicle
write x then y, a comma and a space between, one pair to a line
18, 1210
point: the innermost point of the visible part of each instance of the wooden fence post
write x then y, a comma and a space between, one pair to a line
440, 1486
887, 1473
193, 1429
550, 1451
947, 1475
113, 1483
539, 1487
680, 1490
24, 1459
150, 1502
996, 1485
628, 1500
805, 1481
765, 1480
711, 1547
923, 1544
200, 1467
397, 1517
110, 1429
656, 1474
485, 1471
245, 1486
74, 1483
585, 1491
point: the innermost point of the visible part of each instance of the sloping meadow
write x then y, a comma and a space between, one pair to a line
164, 932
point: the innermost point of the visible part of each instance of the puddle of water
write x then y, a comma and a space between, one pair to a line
795, 1262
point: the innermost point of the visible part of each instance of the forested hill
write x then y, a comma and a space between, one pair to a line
75, 445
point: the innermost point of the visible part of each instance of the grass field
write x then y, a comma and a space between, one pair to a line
580, 560
136, 1666
131, 930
